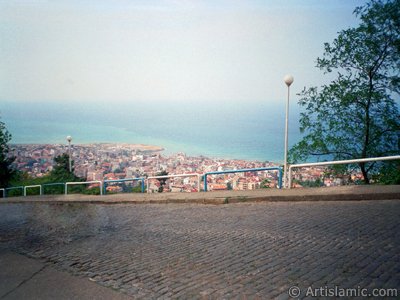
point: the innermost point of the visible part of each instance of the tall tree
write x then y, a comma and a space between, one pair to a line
6, 169
356, 116
61, 171
162, 181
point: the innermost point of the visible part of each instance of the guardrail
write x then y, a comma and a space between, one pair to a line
33, 186
52, 184
13, 188
84, 182
173, 176
123, 180
243, 171
339, 162
199, 176
103, 184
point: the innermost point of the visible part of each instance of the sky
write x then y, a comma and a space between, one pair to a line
164, 50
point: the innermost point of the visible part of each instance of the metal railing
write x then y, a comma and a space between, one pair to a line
13, 188
84, 182
102, 184
33, 186
142, 179
279, 169
52, 184
174, 176
339, 162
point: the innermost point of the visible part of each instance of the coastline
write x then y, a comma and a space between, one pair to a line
252, 132
113, 161
139, 147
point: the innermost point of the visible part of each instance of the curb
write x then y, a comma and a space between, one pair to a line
367, 193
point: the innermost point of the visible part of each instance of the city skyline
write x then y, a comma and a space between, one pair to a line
120, 162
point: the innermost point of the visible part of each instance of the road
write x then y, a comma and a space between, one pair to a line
245, 250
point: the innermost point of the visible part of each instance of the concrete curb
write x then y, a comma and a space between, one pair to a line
345, 193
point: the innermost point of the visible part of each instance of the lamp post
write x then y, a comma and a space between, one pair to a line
288, 80
69, 139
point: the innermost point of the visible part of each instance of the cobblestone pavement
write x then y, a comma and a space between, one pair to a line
244, 250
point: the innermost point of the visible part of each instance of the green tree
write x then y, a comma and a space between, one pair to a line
389, 173
60, 172
265, 184
355, 116
137, 189
6, 169
162, 181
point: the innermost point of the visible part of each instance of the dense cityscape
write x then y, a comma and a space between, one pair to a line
124, 161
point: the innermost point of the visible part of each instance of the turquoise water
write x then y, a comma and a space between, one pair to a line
252, 130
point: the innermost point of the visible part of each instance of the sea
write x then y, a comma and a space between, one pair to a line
251, 130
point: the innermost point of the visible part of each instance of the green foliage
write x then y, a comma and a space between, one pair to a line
389, 173
53, 189
60, 174
265, 184
91, 191
355, 116
162, 180
137, 189
6, 170
61, 171
337, 170
309, 183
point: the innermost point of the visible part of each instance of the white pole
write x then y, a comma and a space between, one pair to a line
69, 139
288, 80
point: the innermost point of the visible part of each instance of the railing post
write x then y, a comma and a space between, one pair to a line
101, 187
105, 187
205, 182
142, 185
198, 183
280, 173
32, 186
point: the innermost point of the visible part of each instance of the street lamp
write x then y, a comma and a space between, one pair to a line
69, 139
288, 80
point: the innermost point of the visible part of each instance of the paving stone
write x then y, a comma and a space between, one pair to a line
235, 251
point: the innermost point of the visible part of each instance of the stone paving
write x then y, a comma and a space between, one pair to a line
192, 251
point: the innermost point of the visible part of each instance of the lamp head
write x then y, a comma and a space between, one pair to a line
288, 80
69, 139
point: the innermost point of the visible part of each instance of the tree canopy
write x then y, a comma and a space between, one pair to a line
356, 115
6, 169
162, 180
60, 172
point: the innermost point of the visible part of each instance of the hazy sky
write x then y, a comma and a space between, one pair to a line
175, 50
